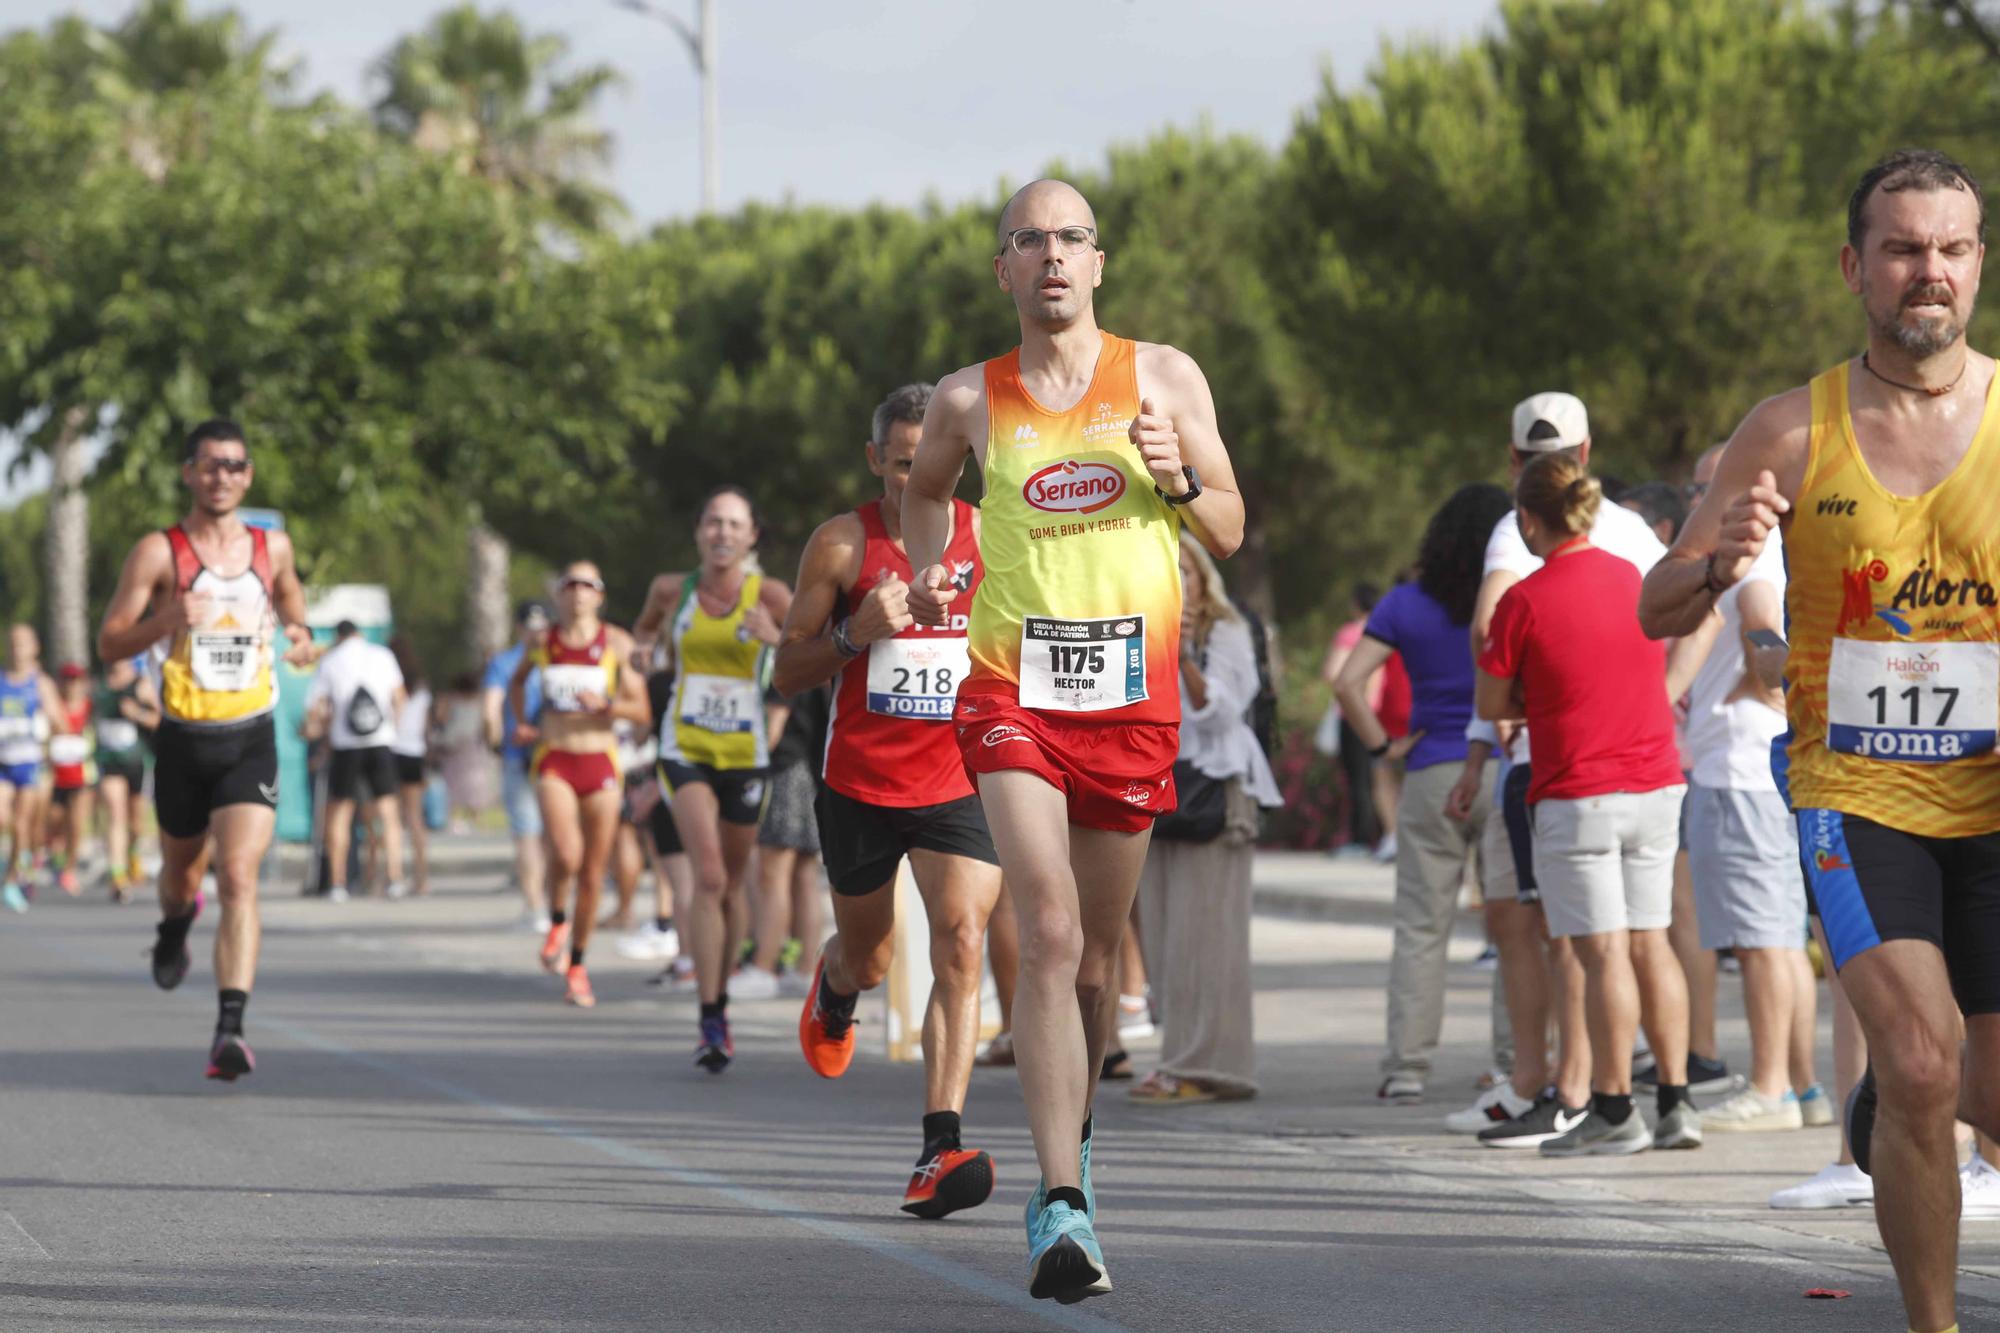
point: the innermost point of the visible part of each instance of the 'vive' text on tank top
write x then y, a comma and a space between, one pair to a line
1079, 611
721, 669
1893, 604
889, 741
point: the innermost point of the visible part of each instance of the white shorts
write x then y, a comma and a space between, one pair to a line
1743, 848
1606, 863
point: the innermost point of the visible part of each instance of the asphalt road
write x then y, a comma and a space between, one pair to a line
433, 1141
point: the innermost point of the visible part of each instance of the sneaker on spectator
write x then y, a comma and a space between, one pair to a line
1705, 1077
1401, 1090
752, 982
1978, 1190
1679, 1128
1135, 1017
1749, 1111
1815, 1106
1597, 1137
1548, 1118
649, 944
1495, 1106
1385, 850
1489, 958
1840, 1185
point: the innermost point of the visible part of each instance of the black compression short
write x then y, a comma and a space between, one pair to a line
199, 770
862, 843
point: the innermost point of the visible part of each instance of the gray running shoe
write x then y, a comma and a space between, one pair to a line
1679, 1128
1598, 1137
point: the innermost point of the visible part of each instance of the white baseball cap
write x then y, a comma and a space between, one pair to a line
1547, 422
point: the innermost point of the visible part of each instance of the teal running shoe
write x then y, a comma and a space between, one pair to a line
1041, 1194
1064, 1261
12, 896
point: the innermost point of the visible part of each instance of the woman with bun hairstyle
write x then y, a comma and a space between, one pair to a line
1566, 653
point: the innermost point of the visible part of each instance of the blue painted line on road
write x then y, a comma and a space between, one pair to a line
910, 1256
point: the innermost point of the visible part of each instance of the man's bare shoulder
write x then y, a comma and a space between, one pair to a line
1776, 436
1166, 362
961, 392
842, 532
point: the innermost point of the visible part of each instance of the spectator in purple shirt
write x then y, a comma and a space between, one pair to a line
1427, 622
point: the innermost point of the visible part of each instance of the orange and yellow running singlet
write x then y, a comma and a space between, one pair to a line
1894, 611
1079, 611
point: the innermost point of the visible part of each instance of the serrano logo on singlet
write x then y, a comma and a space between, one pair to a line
1071, 487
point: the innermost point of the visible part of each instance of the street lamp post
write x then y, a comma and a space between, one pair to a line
701, 45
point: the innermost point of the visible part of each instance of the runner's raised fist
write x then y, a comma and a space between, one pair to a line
1159, 447
931, 596
1746, 525
884, 613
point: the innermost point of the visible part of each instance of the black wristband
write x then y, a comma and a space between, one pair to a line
842, 643
1708, 577
1381, 750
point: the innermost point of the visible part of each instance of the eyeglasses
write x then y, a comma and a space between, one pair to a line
1696, 489
235, 467
595, 584
1032, 241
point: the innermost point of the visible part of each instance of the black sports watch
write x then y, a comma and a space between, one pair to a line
1189, 496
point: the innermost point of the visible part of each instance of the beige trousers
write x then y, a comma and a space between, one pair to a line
1194, 928
1433, 854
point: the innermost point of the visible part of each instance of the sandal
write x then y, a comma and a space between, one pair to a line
1117, 1067
999, 1053
1162, 1089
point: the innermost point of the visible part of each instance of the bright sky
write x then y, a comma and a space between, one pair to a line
894, 100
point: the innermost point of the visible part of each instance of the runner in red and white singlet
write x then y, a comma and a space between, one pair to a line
895, 786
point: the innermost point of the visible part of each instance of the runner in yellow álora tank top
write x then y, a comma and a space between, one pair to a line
1883, 473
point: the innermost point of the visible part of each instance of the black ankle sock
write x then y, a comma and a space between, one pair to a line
715, 1010
231, 1004
1086, 1129
576, 958
175, 928
663, 923
1614, 1107
1672, 1095
1068, 1194
558, 918
833, 1002
940, 1133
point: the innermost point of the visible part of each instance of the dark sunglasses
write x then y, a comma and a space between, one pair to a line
235, 467
584, 583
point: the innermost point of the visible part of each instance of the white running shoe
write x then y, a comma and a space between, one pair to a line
1841, 1185
397, 889
794, 985
752, 982
1750, 1110
1978, 1191
649, 944
1495, 1106
1135, 1017
336, 894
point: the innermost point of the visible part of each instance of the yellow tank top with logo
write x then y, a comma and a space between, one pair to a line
720, 671
1893, 604
1079, 610
219, 670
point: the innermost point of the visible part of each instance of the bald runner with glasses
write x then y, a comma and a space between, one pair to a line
1095, 451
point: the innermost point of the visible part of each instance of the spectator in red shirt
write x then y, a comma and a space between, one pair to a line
1566, 652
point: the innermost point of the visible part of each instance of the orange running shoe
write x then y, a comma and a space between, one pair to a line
827, 1039
950, 1179
578, 993
66, 881
552, 948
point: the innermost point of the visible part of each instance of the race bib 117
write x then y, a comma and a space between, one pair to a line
1912, 703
